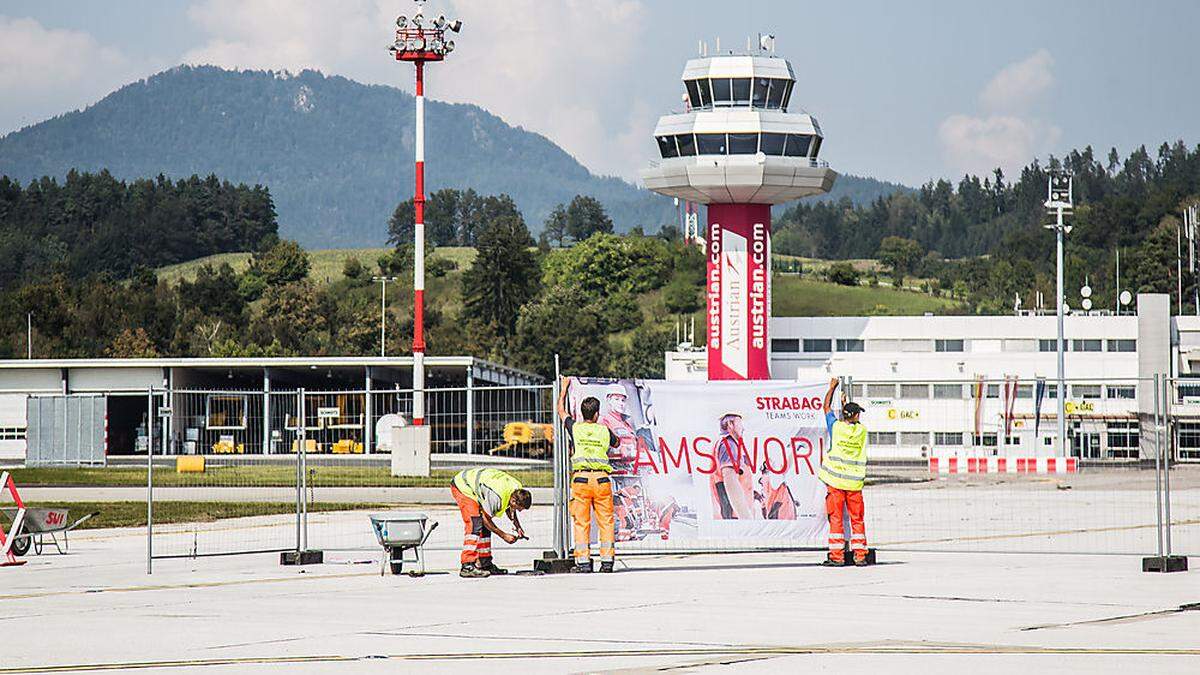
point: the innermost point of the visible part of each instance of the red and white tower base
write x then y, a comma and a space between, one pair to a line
738, 150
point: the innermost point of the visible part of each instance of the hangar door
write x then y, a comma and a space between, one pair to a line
66, 430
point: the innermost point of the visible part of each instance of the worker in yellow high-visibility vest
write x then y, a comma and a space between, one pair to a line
482, 495
844, 471
591, 482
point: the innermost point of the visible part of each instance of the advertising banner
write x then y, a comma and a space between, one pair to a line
731, 461
738, 291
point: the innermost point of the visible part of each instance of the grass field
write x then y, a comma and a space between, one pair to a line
797, 296
133, 514
326, 263
263, 475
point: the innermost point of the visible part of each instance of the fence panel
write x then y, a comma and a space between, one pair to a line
1182, 468
192, 510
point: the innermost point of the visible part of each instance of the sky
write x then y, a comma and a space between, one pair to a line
904, 91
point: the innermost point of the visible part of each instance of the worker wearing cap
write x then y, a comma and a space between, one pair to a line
482, 495
591, 481
844, 470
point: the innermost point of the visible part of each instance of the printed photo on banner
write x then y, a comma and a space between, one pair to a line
726, 460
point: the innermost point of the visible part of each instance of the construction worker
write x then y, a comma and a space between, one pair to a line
591, 481
482, 495
844, 470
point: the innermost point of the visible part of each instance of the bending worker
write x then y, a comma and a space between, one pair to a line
844, 470
482, 495
591, 482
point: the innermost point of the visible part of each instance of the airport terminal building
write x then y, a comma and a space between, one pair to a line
937, 386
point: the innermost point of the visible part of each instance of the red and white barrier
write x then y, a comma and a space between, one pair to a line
949, 465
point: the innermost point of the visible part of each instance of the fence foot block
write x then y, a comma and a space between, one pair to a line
550, 563
301, 557
1165, 563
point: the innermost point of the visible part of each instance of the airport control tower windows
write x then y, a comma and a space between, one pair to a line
722, 92
666, 146
797, 145
787, 92
743, 144
761, 86
772, 144
710, 144
816, 147
693, 92
741, 91
687, 145
775, 95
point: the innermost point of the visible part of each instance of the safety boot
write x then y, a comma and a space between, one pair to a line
582, 568
470, 571
606, 566
490, 568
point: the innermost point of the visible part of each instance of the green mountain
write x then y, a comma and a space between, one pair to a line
335, 154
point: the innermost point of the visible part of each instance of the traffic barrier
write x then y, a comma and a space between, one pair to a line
7, 559
956, 465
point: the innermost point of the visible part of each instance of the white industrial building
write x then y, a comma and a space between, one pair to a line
923, 379
86, 410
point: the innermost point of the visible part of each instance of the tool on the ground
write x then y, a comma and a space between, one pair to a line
7, 557
40, 523
399, 532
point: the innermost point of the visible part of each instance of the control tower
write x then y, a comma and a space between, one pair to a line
738, 149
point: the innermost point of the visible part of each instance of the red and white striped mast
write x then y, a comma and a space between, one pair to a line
419, 40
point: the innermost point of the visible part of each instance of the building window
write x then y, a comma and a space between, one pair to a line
1189, 440
857, 390
914, 437
743, 144
775, 93
1051, 345
1012, 440
710, 144
849, 345
1126, 391
1086, 345
1024, 391
772, 144
948, 391
987, 440
917, 391
948, 345
1086, 391
797, 145
993, 391
785, 345
1189, 392
818, 345
741, 91
12, 434
1052, 391
1122, 345
881, 391
666, 147
693, 91
687, 145
881, 437
721, 91
948, 438
761, 85
1123, 439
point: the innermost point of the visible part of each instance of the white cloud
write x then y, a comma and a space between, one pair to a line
551, 67
978, 145
1018, 84
45, 71
1006, 135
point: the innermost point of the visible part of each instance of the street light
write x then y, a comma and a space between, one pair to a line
1059, 202
383, 281
419, 41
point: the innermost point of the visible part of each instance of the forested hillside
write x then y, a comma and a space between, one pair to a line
940, 230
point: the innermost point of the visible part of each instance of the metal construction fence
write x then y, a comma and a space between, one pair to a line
1131, 487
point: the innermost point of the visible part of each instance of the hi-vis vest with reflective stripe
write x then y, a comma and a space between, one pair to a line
468, 482
845, 465
591, 447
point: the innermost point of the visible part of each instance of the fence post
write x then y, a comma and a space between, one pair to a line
299, 441
1158, 462
149, 481
303, 461
1166, 398
471, 408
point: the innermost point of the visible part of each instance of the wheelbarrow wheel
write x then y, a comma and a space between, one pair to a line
397, 567
21, 545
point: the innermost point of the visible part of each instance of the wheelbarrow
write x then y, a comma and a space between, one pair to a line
398, 533
40, 523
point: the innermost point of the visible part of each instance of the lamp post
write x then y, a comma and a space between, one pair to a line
383, 282
419, 40
1058, 203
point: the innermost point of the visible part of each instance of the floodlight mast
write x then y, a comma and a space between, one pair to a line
1059, 201
419, 41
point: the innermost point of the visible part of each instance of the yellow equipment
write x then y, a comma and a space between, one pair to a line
189, 464
347, 446
226, 446
539, 436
